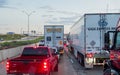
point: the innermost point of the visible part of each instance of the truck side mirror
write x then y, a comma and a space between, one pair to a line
106, 41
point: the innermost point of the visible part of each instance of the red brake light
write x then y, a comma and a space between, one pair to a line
45, 65
7, 65
112, 56
89, 55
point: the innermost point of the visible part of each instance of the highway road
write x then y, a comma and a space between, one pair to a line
68, 65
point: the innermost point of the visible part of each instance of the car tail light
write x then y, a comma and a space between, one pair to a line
7, 65
45, 66
89, 55
112, 56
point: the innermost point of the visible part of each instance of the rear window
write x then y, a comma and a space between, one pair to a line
35, 51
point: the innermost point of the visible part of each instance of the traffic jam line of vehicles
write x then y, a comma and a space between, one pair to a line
86, 38
42, 59
93, 40
39, 60
54, 37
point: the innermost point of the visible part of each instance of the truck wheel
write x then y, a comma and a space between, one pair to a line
82, 60
79, 60
56, 68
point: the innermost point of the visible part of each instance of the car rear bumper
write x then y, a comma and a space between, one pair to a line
25, 73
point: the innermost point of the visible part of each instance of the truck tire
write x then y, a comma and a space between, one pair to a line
80, 59
56, 68
82, 63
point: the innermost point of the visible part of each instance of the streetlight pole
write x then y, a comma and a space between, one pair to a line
28, 15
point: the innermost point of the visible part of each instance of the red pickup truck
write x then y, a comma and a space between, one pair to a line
33, 61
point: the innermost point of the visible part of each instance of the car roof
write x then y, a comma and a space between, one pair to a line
36, 47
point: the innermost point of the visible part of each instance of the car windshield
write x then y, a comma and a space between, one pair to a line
35, 51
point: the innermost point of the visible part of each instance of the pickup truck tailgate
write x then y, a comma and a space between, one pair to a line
26, 66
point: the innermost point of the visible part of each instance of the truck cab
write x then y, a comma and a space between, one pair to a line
114, 49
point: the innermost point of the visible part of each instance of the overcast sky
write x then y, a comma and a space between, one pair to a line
52, 12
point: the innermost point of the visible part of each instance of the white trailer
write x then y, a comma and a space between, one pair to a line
54, 36
87, 37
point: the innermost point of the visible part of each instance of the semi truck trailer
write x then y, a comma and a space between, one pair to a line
86, 37
54, 36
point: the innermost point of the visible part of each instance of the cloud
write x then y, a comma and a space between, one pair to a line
63, 20
46, 8
48, 16
64, 12
8, 7
53, 10
3, 2
3, 25
60, 22
69, 18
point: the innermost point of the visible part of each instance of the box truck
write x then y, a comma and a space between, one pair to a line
87, 37
54, 36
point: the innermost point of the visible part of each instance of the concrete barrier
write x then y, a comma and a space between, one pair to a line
8, 53
12, 52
